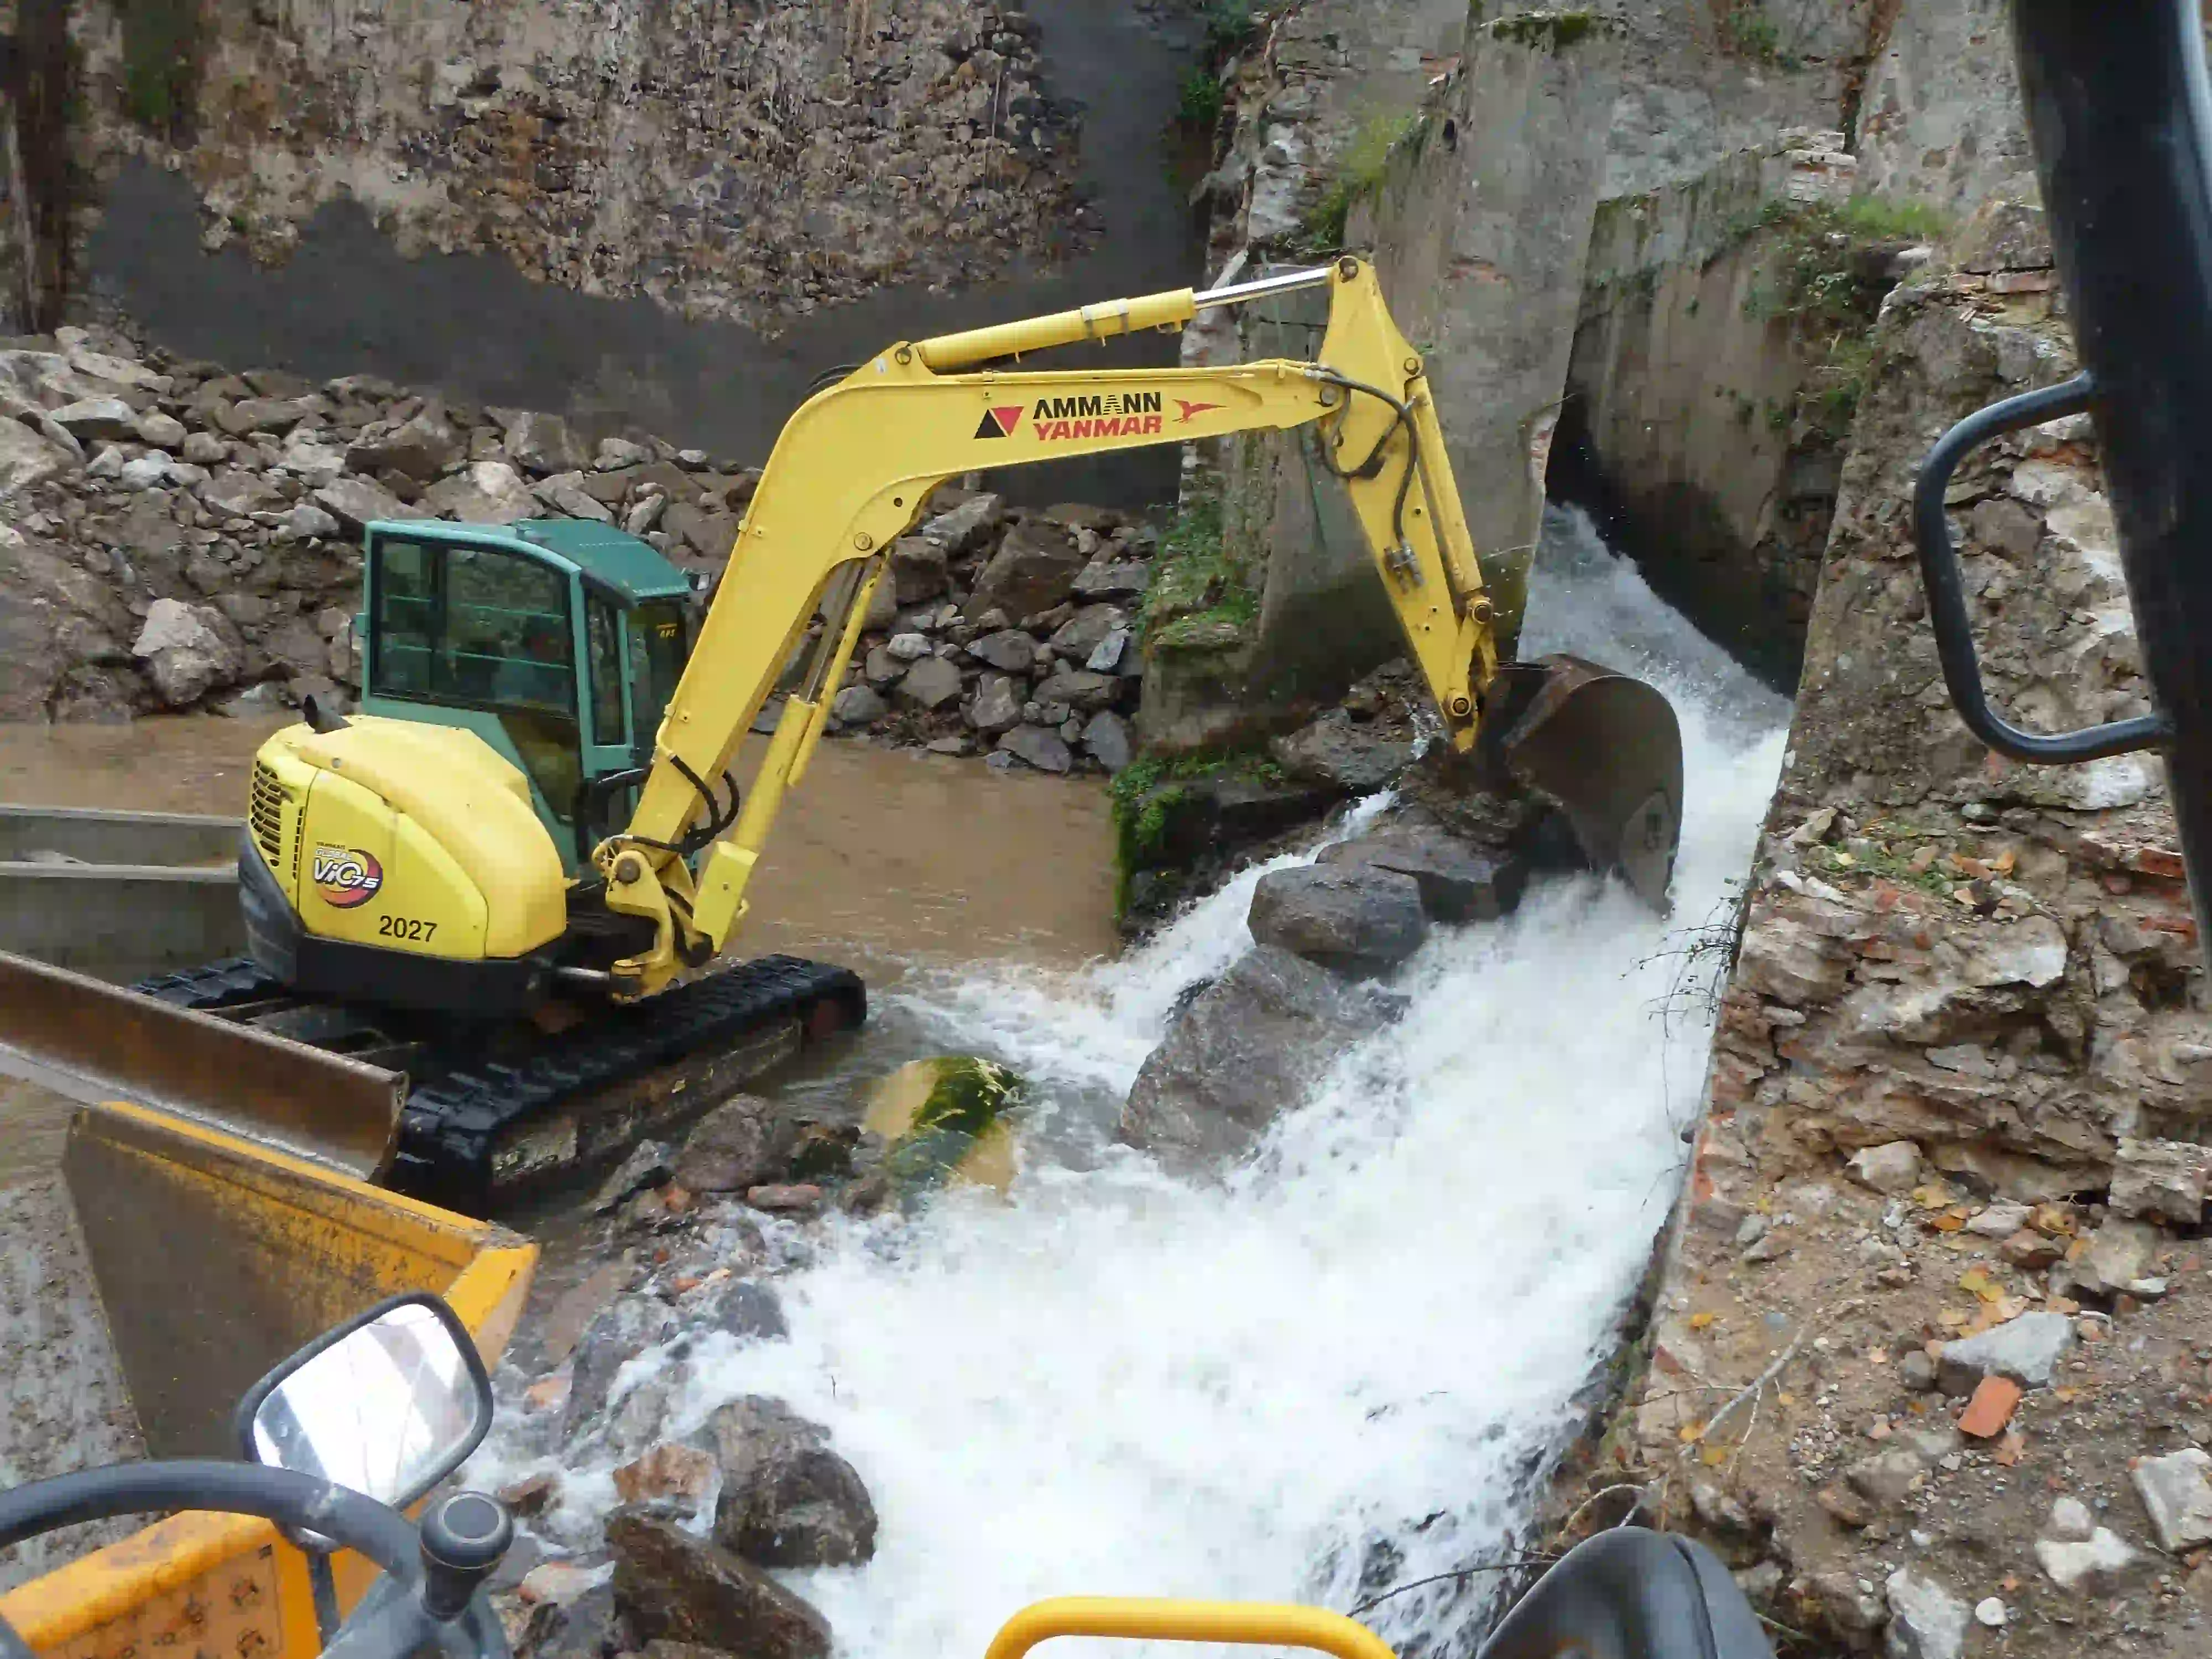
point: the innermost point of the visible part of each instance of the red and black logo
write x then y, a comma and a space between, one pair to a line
1000, 422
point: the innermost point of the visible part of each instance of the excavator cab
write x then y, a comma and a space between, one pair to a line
557, 642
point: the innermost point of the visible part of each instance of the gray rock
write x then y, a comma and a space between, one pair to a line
421, 447
930, 684
586, 1627
1033, 570
648, 1165
998, 705
918, 569
92, 418
615, 453
968, 528
306, 522
679, 1588
644, 514
1927, 1618
788, 1500
27, 457
236, 493
162, 431
1113, 579
1111, 654
144, 471
1010, 651
2117, 1254
1334, 751
543, 444
880, 669
745, 1308
1039, 746
1245, 1049
2000, 1220
1916, 1370
185, 651
1458, 884
2070, 1519
251, 415
743, 1143
2177, 1496
612, 1340
908, 647
1852, 1610
1083, 632
2096, 1560
1106, 739
1355, 918
2026, 1349
857, 705
485, 492
255, 703
564, 492
204, 448
1893, 1167
2161, 1180
355, 502
1078, 689
1889, 1477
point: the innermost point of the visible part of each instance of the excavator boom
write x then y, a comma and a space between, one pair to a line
854, 467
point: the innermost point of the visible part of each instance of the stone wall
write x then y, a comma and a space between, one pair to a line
1960, 1084
1940, 119
1706, 418
750, 161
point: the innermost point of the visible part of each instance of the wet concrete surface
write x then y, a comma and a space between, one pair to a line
347, 302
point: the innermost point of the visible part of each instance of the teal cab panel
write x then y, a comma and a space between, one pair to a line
558, 641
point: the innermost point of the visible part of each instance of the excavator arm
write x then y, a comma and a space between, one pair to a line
854, 465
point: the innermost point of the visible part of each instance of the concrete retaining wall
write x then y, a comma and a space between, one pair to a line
147, 892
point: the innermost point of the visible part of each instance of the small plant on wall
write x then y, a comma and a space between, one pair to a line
161, 64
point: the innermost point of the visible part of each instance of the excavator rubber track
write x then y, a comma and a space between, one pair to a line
464, 1114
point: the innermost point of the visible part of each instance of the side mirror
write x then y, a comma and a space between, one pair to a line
388, 1404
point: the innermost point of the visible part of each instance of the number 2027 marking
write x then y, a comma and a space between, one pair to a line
401, 927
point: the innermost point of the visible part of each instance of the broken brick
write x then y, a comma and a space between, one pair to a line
1995, 1401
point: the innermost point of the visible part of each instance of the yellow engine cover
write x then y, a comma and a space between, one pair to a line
407, 837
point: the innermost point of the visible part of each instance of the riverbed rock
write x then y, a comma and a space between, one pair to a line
787, 1500
1107, 740
185, 651
1039, 746
967, 528
1105, 578
421, 447
1357, 918
91, 418
648, 1165
1927, 1618
2096, 1560
2026, 1350
1033, 570
683, 1589
619, 1333
930, 684
741, 1144
1336, 752
683, 1483
998, 705
355, 502
918, 569
1078, 689
28, 456
1458, 884
747, 1308
858, 705
1246, 1049
1009, 650
1087, 630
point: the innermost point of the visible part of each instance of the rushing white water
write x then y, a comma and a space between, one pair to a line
1350, 1367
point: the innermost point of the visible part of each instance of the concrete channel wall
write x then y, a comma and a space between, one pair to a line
119, 895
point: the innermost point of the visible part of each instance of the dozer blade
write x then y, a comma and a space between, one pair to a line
95, 1042
1608, 749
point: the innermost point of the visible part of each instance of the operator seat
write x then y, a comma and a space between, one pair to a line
1631, 1593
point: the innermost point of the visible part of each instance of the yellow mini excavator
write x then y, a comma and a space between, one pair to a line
411, 859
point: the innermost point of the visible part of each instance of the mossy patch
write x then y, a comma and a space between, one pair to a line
1547, 31
1359, 173
945, 1118
1147, 795
1199, 595
160, 63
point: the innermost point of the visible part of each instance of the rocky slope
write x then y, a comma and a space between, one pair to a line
177, 536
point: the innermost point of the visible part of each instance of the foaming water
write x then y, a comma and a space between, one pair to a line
1350, 1365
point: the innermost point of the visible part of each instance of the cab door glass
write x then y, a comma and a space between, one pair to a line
658, 642
603, 631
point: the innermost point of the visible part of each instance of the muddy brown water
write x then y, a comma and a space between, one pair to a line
886, 860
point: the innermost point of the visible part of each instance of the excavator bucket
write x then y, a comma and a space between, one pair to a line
1607, 749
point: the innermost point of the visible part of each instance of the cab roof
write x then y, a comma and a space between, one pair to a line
613, 558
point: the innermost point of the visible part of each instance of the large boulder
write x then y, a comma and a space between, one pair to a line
1248, 1046
918, 569
1358, 919
930, 684
545, 444
1342, 756
422, 445
1039, 746
1079, 688
27, 457
1033, 570
354, 501
787, 1500
1458, 883
744, 1142
682, 1589
968, 528
185, 651
946, 1118
90, 418
998, 705
486, 492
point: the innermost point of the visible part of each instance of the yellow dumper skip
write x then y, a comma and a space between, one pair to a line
214, 1259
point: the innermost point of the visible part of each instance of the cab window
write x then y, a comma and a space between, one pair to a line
658, 642
602, 639
471, 625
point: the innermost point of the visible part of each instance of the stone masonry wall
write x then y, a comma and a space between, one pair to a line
750, 161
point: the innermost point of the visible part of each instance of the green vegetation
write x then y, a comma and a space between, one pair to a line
1748, 31
1818, 281
1231, 26
1359, 171
1147, 793
160, 43
1547, 31
1197, 588
1200, 108
967, 1098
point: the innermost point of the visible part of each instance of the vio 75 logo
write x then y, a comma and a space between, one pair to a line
346, 877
